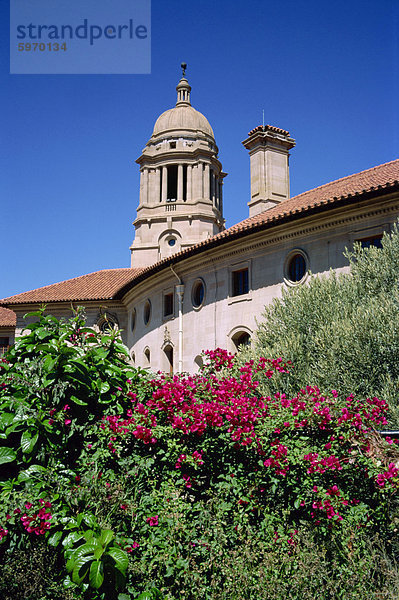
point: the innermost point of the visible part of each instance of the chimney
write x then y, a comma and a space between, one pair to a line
268, 152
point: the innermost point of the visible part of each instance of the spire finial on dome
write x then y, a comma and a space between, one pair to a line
183, 88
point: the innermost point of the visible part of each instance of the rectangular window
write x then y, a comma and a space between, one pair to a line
240, 282
4, 344
375, 240
168, 305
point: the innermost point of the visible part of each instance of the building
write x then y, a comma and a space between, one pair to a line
192, 283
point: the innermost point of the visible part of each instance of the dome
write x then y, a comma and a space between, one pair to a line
182, 117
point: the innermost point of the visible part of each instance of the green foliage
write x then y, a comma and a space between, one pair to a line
189, 488
341, 331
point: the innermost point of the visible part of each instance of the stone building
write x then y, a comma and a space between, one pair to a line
192, 283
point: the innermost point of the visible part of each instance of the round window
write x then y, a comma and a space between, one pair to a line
147, 312
296, 267
133, 319
198, 293
172, 242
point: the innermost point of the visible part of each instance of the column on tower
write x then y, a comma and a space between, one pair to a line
145, 186
189, 182
164, 184
180, 183
205, 185
212, 190
157, 186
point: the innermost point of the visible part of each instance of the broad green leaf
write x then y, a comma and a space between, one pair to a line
28, 442
6, 419
7, 455
30, 472
106, 536
124, 597
49, 363
72, 538
120, 557
55, 539
104, 387
80, 570
96, 576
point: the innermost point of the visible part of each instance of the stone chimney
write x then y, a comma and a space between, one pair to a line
268, 152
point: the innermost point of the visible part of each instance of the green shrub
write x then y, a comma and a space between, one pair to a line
341, 331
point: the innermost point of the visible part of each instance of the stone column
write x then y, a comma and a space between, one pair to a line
145, 186
205, 185
141, 186
156, 196
180, 183
189, 182
164, 184
212, 176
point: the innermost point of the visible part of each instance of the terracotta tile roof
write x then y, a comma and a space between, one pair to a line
100, 285
8, 318
268, 128
375, 178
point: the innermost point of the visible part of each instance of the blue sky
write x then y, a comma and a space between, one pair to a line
326, 71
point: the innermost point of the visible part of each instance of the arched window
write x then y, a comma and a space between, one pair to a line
147, 312
147, 358
241, 338
168, 351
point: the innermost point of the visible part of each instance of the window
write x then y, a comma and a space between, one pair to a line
169, 359
242, 338
172, 144
147, 358
172, 241
172, 183
4, 344
240, 282
147, 312
168, 309
133, 319
296, 267
374, 240
198, 293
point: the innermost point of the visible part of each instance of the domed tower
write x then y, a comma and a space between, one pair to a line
181, 179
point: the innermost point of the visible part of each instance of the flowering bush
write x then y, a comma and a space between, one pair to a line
155, 484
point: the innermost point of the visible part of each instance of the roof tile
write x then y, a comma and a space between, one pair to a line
100, 285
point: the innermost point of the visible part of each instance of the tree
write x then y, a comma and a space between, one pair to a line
341, 331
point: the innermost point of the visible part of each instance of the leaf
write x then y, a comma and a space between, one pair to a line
7, 455
28, 442
106, 536
78, 401
105, 387
72, 538
30, 471
121, 559
77, 574
55, 539
123, 597
6, 419
49, 363
96, 576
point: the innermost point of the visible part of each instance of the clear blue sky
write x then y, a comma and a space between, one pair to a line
328, 71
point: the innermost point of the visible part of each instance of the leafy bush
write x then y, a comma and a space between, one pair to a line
342, 331
196, 487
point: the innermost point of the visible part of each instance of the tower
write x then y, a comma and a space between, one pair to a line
269, 153
181, 180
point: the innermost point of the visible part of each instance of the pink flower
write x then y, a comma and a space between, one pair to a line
67, 421
152, 521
